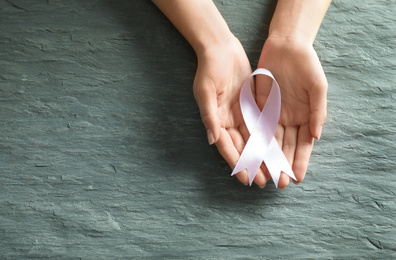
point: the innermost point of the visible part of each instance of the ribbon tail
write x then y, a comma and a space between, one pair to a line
276, 162
250, 160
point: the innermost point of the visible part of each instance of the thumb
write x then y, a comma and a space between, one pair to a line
318, 106
206, 98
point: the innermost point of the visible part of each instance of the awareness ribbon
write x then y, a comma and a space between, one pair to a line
262, 145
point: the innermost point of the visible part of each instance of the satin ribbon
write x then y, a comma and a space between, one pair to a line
262, 145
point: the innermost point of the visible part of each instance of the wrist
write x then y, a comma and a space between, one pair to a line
291, 35
198, 21
278, 49
289, 42
212, 39
210, 30
298, 19
212, 47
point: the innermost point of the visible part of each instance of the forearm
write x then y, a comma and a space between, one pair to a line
298, 19
198, 21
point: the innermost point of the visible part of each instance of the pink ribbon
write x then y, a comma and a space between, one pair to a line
262, 145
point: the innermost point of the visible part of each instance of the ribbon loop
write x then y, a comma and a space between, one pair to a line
262, 145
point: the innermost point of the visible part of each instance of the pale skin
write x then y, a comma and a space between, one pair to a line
223, 66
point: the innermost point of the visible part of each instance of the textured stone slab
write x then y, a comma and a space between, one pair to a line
103, 154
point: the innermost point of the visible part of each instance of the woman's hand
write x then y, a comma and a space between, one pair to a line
303, 85
222, 69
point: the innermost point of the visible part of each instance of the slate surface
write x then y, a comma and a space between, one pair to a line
103, 154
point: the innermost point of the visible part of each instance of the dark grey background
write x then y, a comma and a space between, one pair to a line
103, 154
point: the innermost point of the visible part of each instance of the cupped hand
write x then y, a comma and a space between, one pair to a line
222, 69
303, 85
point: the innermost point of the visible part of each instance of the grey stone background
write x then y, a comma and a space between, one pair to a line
103, 154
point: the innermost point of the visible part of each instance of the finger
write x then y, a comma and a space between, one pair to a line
290, 143
318, 106
279, 134
206, 98
228, 145
260, 179
237, 138
265, 171
303, 152
243, 130
289, 149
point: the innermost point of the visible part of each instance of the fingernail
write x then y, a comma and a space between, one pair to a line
320, 132
211, 139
